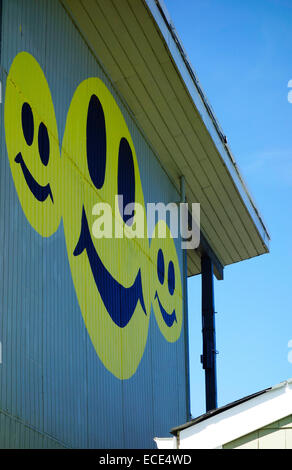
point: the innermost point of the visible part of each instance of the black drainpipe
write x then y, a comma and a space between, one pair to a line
208, 357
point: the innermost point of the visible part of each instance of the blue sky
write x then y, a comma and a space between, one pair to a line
242, 54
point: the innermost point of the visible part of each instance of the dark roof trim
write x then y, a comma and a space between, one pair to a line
211, 413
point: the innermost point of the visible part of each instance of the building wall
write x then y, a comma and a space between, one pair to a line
56, 386
277, 435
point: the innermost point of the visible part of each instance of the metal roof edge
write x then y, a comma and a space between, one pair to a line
228, 406
162, 18
216, 411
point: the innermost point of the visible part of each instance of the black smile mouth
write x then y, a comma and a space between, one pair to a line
40, 192
168, 319
120, 302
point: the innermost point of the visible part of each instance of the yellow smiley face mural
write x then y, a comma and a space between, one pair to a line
32, 143
111, 275
166, 283
117, 278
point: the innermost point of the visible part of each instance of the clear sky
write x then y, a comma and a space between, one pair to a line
242, 54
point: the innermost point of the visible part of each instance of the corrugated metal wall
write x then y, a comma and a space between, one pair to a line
54, 390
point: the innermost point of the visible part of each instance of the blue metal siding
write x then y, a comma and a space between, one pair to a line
51, 378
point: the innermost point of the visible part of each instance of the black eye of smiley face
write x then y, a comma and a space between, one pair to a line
126, 178
161, 272
40, 192
44, 144
96, 142
27, 123
169, 318
96, 146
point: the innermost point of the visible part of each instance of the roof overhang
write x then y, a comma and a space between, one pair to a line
144, 59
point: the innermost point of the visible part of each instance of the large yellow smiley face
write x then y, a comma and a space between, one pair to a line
167, 299
111, 276
32, 144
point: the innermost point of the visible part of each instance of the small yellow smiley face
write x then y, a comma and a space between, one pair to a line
166, 283
110, 275
32, 144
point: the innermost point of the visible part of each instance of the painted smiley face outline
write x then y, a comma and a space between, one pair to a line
106, 284
32, 144
41, 193
166, 285
116, 271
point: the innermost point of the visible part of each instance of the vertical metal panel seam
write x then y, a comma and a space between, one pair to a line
185, 312
0, 29
44, 311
